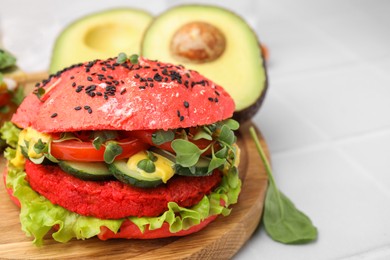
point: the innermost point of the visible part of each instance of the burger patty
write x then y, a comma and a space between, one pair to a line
113, 199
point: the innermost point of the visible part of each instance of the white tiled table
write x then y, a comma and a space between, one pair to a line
326, 117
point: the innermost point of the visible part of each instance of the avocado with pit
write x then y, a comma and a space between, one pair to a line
218, 44
100, 35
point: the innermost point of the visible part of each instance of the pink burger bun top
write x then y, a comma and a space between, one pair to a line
106, 95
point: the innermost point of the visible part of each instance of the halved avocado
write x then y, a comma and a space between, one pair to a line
218, 44
99, 36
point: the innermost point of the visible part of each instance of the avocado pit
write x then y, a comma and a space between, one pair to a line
198, 42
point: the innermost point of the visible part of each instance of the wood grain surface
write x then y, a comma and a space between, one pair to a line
219, 240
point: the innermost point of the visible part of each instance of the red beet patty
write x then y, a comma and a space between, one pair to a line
113, 199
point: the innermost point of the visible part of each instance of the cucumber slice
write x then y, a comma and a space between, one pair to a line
199, 169
91, 171
123, 173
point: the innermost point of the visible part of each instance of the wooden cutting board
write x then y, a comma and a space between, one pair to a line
220, 240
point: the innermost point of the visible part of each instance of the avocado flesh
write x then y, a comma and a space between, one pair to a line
239, 70
99, 36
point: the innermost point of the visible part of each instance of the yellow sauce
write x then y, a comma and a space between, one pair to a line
164, 167
31, 136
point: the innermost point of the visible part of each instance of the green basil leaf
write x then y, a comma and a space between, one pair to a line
146, 165
187, 153
226, 135
113, 149
282, 220
160, 137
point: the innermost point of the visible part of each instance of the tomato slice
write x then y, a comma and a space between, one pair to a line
146, 136
74, 150
4, 99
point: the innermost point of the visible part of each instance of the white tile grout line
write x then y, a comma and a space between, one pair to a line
363, 172
334, 144
380, 253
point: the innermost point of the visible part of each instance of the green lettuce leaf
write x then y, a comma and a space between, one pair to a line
38, 215
10, 133
7, 60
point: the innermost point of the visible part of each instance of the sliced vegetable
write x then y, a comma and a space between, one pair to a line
164, 140
4, 98
92, 171
74, 150
122, 172
201, 168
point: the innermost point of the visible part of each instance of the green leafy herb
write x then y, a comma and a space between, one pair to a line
39, 92
231, 123
203, 134
97, 142
151, 156
7, 60
43, 148
18, 96
222, 153
40, 147
4, 109
122, 57
65, 137
113, 149
226, 135
147, 165
187, 153
100, 137
160, 137
134, 59
215, 163
282, 220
